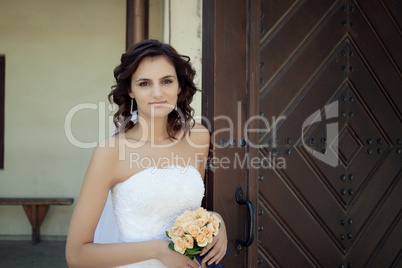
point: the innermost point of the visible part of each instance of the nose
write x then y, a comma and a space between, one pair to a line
156, 91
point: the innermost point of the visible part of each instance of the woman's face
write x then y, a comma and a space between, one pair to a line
154, 86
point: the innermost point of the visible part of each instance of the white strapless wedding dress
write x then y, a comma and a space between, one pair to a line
146, 205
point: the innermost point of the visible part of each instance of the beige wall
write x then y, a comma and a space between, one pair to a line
60, 56
186, 37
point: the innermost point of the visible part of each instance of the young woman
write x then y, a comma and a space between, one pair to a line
153, 166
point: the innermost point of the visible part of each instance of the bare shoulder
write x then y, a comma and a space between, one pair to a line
199, 140
200, 135
108, 147
104, 162
106, 154
199, 128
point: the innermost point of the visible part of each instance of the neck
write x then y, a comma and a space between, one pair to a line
153, 129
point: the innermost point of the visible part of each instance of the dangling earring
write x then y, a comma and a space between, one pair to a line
134, 114
134, 117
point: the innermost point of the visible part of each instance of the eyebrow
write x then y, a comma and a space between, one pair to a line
147, 79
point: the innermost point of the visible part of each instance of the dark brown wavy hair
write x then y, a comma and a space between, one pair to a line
179, 119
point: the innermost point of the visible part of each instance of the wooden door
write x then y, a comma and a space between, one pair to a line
224, 58
323, 81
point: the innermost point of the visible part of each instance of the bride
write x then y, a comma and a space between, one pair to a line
152, 168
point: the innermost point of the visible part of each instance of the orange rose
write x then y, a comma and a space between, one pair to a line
214, 228
204, 215
193, 230
207, 233
187, 225
188, 214
179, 220
200, 210
202, 241
179, 245
215, 219
171, 232
188, 241
179, 232
200, 222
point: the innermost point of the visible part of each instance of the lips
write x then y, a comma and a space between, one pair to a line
157, 103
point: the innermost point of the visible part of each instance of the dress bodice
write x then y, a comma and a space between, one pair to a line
147, 203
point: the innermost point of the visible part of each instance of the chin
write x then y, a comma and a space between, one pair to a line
160, 112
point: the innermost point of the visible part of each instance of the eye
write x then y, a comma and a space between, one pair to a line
143, 84
167, 81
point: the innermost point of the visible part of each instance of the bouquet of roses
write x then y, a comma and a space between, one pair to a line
192, 231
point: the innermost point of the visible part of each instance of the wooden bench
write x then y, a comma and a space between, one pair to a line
36, 209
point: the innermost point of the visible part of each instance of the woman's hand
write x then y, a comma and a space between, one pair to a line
217, 249
173, 259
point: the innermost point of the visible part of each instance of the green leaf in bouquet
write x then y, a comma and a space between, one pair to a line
193, 250
192, 255
167, 234
171, 246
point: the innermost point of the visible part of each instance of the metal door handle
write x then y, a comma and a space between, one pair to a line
251, 220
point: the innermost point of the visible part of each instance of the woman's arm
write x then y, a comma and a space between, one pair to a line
80, 249
199, 142
218, 247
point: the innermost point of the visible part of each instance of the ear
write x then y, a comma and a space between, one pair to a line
130, 92
178, 91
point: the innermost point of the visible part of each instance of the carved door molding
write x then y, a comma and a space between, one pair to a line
326, 76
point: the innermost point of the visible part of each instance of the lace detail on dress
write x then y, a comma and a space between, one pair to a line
147, 203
